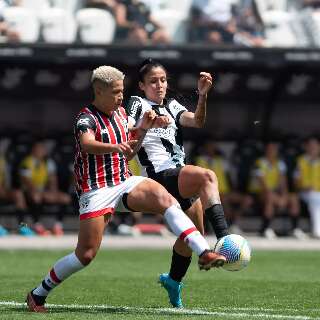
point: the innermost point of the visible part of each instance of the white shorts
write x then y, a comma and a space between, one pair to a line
106, 200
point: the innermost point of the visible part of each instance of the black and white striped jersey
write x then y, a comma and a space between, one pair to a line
162, 148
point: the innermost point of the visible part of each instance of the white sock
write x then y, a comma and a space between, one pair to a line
183, 227
63, 268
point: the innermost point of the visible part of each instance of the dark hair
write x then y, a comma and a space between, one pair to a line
146, 66
311, 137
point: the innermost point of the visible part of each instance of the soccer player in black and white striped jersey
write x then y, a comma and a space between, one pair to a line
162, 156
105, 185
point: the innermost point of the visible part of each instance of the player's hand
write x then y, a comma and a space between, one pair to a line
148, 119
126, 147
204, 83
161, 122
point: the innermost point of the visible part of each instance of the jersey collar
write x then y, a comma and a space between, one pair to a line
92, 106
152, 103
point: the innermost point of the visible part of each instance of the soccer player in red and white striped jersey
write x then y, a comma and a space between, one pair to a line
105, 185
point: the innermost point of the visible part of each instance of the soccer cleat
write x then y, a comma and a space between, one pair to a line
269, 234
57, 230
3, 231
299, 234
210, 259
26, 231
173, 288
41, 230
35, 303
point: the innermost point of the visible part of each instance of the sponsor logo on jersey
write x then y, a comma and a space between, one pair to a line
165, 133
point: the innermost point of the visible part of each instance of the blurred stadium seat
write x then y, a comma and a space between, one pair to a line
266, 5
181, 6
279, 32
70, 5
23, 21
314, 27
96, 26
174, 22
36, 5
58, 26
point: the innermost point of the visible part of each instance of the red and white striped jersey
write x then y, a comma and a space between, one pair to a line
98, 171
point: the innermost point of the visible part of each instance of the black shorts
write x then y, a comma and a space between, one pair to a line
169, 179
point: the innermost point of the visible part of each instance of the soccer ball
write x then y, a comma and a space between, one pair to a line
237, 251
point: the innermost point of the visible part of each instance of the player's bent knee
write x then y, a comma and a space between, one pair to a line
209, 177
86, 256
165, 199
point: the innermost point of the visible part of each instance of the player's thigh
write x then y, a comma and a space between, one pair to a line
150, 196
195, 213
50, 196
190, 180
281, 200
63, 197
90, 233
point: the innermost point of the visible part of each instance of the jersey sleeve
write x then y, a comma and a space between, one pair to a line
134, 109
84, 123
177, 110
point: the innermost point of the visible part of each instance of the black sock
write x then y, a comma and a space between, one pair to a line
61, 213
36, 212
179, 266
265, 224
294, 221
217, 219
20, 214
39, 300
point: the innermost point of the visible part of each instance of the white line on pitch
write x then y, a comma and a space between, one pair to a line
123, 309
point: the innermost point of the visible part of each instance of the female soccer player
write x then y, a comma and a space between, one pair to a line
105, 185
162, 155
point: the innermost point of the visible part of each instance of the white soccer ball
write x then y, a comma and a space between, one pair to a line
237, 251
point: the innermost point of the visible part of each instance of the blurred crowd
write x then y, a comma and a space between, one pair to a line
252, 23
258, 181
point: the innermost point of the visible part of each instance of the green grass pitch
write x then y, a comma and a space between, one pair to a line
122, 284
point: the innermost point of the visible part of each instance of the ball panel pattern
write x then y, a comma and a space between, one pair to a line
237, 251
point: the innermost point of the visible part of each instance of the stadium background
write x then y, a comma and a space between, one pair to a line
258, 93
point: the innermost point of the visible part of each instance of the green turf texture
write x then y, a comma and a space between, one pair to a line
276, 285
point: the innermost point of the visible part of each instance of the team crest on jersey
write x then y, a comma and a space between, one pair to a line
84, 204
83, 122
124, 124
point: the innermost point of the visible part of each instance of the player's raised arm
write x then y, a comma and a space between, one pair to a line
198, 118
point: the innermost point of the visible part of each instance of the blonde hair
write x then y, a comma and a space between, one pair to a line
106, 75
